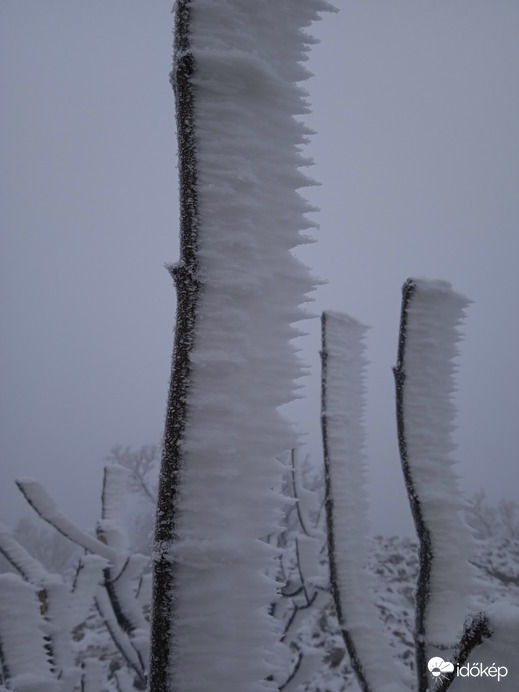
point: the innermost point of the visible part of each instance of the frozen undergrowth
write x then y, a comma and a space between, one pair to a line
393, 561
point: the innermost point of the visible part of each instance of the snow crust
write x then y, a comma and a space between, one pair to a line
344, 408
435, 313
247, 62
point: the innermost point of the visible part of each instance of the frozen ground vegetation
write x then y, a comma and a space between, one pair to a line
319, 660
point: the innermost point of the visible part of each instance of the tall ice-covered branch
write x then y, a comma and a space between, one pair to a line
237, 65
342, 419
424, 375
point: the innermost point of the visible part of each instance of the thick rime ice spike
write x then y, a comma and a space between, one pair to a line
237, 65
428, 345
343, 403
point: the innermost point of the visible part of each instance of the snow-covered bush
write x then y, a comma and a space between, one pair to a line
48, 609
302, 571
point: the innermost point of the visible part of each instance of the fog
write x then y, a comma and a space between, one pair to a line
415, 108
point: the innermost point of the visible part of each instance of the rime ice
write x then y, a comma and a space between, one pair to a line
247, 59
344, 439
434, 315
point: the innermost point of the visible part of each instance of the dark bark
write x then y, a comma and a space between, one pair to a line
328, 503
185, 276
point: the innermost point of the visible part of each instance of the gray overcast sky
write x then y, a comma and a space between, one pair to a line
416, 106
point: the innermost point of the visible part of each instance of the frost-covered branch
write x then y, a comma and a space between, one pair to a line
237, 68
42, 503
424, 377
342, 419
108, 577
23, 562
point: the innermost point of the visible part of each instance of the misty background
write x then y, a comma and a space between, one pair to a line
416, 109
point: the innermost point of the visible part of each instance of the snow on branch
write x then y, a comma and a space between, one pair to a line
425, 383
26, 565
342, 418
42, 503
108, 577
